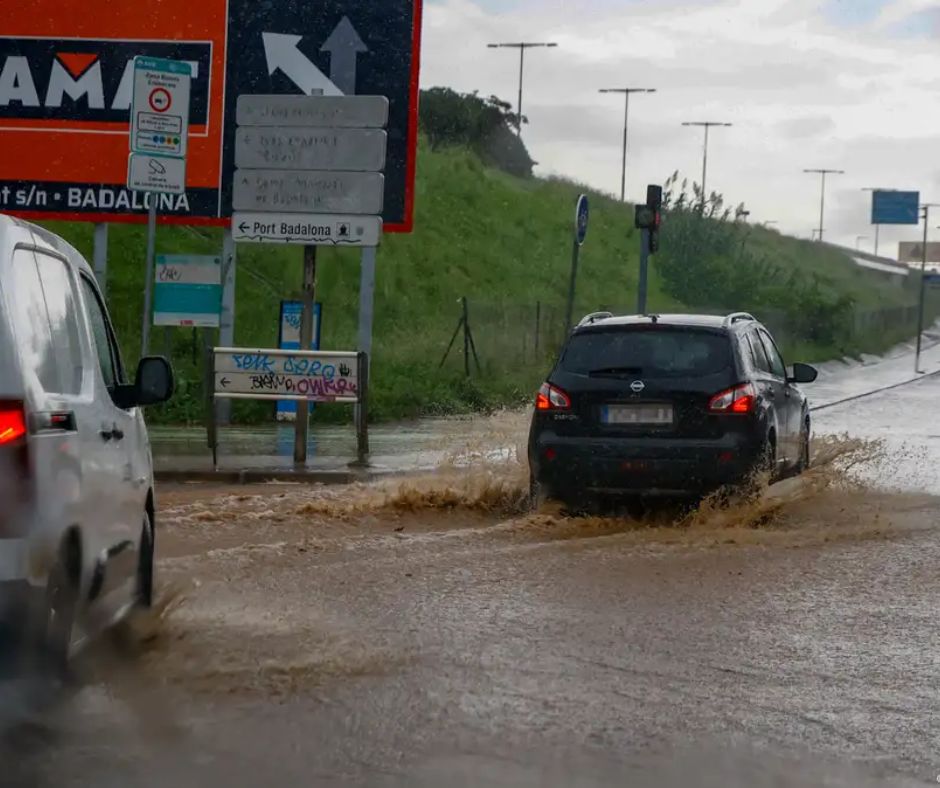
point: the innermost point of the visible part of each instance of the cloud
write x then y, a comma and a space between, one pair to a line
806, 84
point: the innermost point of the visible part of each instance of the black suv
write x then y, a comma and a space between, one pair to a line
667, 405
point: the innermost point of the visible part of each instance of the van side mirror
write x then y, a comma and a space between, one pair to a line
153, 384
803, 373
154, 381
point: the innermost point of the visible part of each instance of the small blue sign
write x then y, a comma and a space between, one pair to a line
894, 207
581, 216
288, 338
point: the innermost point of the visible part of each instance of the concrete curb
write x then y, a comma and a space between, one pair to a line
284, 476
854, 397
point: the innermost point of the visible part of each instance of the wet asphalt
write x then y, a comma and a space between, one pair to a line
354, 637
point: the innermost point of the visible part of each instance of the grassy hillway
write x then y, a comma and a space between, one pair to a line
505, 243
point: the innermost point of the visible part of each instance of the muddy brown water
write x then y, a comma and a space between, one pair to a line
433, 630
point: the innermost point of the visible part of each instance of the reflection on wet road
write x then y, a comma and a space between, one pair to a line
430, 632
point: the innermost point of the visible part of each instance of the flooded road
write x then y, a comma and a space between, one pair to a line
431, 631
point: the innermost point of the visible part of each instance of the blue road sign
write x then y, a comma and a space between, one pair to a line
581, 217
337, 47
894, 207
288, 338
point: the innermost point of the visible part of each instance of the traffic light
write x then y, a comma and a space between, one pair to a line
649, 216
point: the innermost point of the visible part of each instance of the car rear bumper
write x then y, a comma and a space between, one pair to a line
641, 466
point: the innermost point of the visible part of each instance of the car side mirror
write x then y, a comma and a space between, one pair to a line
153, 384
154, 381
803, 373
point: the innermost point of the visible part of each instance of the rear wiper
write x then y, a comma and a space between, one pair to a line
616, 371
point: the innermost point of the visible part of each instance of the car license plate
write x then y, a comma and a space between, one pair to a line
645, 415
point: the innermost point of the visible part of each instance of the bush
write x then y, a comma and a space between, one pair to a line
709, 259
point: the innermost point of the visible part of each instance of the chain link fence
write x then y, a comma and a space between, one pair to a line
512, 336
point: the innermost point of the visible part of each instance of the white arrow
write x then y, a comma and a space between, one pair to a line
282, 53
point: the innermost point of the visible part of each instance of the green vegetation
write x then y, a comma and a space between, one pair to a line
505, 243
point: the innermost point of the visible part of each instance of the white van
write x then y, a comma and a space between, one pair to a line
76, 476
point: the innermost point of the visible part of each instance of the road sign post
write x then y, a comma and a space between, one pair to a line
581, 219
302, 421
159, 135
310, 172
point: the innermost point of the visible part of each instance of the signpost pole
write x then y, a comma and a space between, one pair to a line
362, 413
581, 217
575, 259
366, 307
101, 257
148, 282
923, 284
227, 315
302, 422
644, 268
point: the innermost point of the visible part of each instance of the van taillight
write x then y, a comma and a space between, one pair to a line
12, 423
737, 401
551, 398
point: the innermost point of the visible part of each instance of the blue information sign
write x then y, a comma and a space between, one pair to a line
895, 207
187, 290
288, 338
582, 214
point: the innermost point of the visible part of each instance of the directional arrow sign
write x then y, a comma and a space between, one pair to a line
319, 376
282, 53
307, 229
361, 150
287, 48
344, 46
345, 112
309, 192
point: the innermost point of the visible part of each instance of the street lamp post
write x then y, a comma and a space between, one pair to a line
626, 119
707, 125
522, 46
822, 197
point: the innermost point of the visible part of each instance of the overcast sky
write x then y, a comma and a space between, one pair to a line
846, 84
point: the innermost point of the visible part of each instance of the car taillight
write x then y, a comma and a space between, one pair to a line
12, 423
552, 398
737, 401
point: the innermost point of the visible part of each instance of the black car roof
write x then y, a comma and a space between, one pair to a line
673, 320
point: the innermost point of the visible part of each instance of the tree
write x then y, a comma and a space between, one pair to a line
484, 126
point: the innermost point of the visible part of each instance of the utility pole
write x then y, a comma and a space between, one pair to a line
822, 197
626, 120
923, 285
707, 125
522, 46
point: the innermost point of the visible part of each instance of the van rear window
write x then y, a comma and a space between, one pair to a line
660, 352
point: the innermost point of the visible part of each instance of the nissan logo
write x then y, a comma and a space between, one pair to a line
637, 386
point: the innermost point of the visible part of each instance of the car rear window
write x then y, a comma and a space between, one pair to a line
650, 352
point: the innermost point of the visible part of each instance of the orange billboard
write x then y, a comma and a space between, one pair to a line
66, 79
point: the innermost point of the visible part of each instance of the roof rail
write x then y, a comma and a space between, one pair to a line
593, 317
734, 317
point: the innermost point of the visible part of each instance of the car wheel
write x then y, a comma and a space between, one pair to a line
802, 464
58, 622
145, 564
